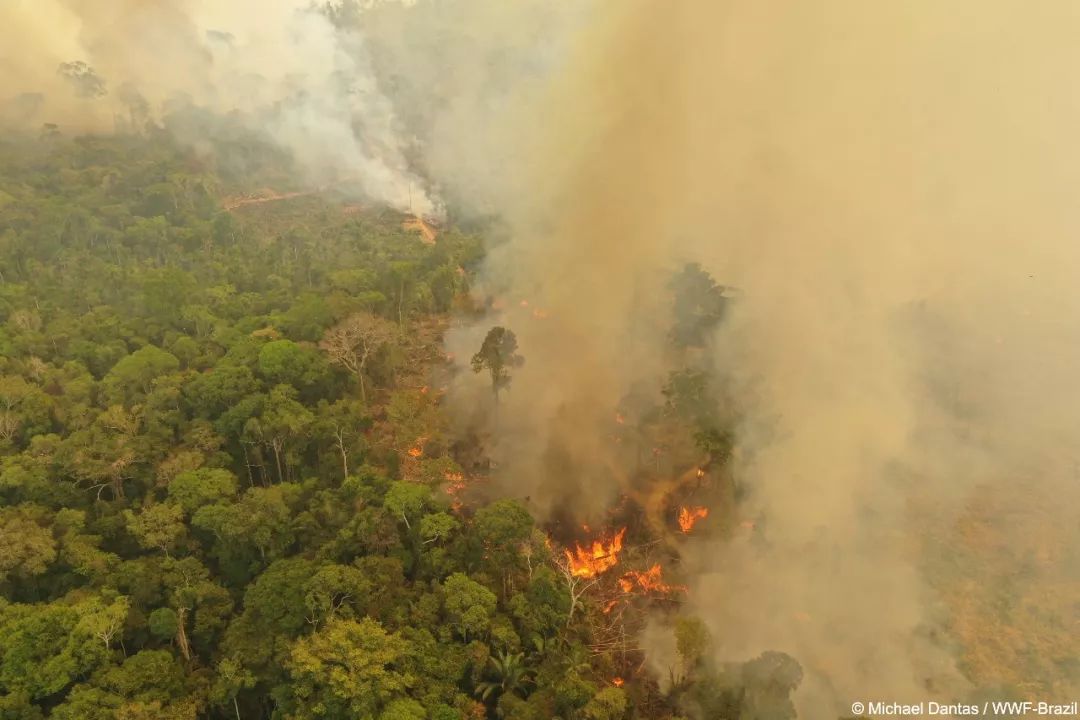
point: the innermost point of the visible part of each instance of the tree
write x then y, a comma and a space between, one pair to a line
283, 361
131, 378
508, 674
159, 526
498, 355
354, 341
406, 498
344, 423
26, 548
334, 589
503, 528
231, 678
768, 682
608, 704
347, 669
281, 423
193, 489
469, 605
700, 305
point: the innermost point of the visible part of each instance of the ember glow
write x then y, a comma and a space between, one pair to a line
688, 517
617, 682
418, 448
598, 557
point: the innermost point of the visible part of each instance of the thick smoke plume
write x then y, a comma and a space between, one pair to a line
890, 187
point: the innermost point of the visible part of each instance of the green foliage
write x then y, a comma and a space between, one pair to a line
469, 605
131, 379
507, 674
204, 511
163, 623
194, 489
608, 704
348, 669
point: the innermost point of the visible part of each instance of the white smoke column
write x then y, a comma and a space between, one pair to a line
281, 68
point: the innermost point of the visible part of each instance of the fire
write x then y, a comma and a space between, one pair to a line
617, 682
597, 558
524, 303
455, 483
418, 448
620, 419
688, 517
649, 581
540, 314
610, 606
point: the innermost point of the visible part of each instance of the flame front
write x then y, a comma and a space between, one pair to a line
688, 517
597, 558
649, 581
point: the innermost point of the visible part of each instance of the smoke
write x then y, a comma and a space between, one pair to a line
284, 70
889, 186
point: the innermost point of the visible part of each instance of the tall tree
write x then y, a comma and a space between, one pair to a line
352, 343
498, 355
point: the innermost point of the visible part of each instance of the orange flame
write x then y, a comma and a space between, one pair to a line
688, 517
418, 448
649, 581
455, 483
597, 558
610, 606
540, 314
620, 419
617, 682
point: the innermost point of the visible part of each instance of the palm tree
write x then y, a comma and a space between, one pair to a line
508, 674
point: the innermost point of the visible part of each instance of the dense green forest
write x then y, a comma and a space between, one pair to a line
226, 488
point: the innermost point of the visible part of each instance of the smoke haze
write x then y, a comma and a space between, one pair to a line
888, 185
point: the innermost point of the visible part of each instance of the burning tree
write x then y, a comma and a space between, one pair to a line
498, 355
688, 517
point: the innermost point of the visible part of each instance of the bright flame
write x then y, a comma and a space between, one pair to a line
617, 682
599, 557
688, 517
649, 581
